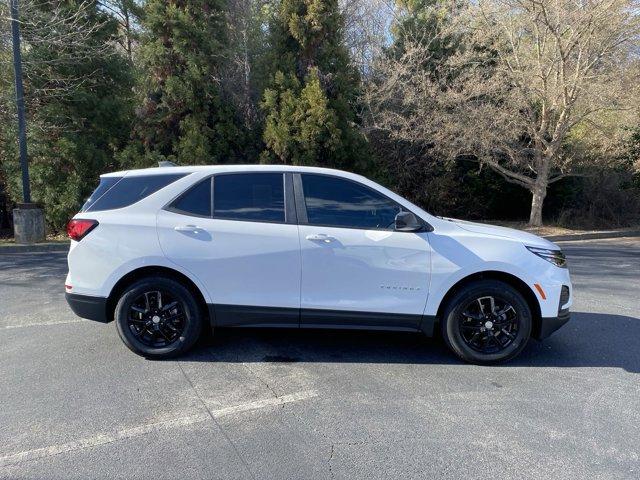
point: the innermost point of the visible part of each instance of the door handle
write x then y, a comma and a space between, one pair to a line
187, 228
320, 237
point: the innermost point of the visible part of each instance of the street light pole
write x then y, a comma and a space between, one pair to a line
28, 218
22, 127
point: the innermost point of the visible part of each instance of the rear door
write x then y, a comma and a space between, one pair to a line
356, 269
237, 233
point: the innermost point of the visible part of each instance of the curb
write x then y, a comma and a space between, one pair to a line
36, 248
593, 235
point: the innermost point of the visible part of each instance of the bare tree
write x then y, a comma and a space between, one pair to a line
529, 76
69, 33
65, 31
367, 26
127, 13
246, 23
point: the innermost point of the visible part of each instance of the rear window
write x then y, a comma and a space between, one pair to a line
126, 191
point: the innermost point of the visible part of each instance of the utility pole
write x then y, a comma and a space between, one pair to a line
22, 126
28, 219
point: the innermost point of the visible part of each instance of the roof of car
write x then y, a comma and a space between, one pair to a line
220, 169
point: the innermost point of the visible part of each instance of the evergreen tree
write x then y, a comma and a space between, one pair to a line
310, 103
183, 116
424, 22
78, 95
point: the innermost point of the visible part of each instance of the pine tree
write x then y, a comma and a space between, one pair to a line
183, 116
310, 105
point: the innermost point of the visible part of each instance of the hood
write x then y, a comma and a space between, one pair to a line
504, 232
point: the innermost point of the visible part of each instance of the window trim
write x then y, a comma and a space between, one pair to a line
290, 210
295, 206
301, 205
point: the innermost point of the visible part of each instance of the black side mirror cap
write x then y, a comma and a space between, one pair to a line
408, 222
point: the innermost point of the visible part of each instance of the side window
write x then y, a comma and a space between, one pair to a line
130, 190
337, 202
195, 202
249, 196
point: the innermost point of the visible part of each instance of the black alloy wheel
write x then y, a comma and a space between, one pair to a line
158, 317
486, 321
489, 324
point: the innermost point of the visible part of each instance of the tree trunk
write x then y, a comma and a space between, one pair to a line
538, 192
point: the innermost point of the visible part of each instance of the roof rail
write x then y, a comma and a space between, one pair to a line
166, 163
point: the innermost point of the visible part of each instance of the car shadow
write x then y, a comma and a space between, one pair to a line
588, 340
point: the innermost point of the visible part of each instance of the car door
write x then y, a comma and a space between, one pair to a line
237, 234
357, 270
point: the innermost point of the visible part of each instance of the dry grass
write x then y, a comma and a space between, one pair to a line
549, 230
6, 238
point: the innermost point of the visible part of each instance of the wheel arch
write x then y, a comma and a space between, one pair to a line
508, 278
155, 270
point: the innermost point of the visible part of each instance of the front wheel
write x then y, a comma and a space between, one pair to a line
487, 321
158, 317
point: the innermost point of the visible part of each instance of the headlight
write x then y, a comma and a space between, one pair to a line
554, 256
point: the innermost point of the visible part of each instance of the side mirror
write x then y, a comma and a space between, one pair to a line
407, 222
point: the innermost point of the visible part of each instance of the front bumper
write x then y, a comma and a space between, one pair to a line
85, 306
549, 325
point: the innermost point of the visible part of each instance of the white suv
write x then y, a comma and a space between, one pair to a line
169, 251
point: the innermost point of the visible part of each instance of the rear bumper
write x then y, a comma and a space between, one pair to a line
85, 306
549, 325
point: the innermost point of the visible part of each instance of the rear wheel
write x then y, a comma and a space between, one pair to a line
487, 321
158, 317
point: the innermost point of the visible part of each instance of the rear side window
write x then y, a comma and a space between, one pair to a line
195, 202
130, 190
255, 197
105, 184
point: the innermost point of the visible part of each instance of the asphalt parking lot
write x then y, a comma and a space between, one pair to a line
75, 403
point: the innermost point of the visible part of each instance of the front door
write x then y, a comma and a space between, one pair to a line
244, 247
356, 270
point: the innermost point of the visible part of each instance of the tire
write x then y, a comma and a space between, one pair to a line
169, 325
473, 334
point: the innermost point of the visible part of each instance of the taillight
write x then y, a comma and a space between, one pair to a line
77, 229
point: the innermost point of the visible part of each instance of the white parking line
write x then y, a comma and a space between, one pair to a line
42, 324
100, 439
269, 402
110, 437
